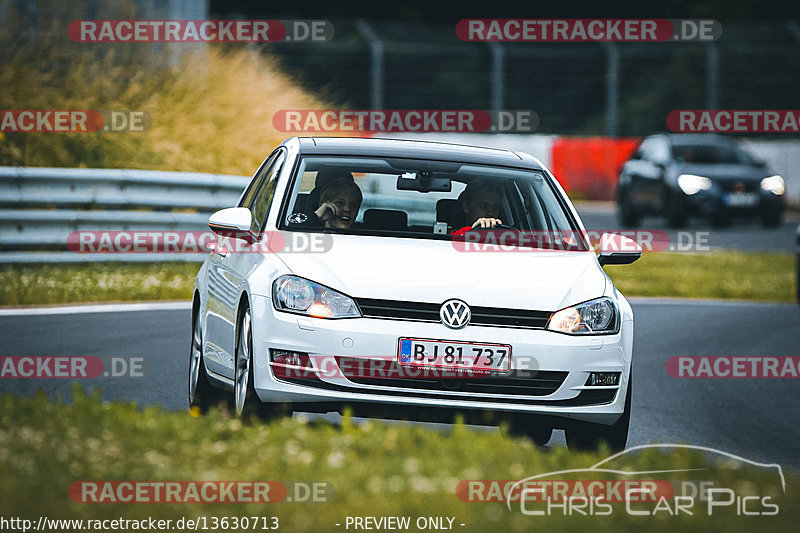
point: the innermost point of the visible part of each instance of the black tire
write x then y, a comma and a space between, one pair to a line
675, 209
532, 427
202, 395
772, 219
588, 436
246, 403
721, 219
626, 214
798, 278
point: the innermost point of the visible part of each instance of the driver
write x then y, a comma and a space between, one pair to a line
481, 201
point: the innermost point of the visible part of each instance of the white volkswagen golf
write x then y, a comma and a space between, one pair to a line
413, 280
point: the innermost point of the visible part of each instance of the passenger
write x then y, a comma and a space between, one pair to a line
339, 202
481, 201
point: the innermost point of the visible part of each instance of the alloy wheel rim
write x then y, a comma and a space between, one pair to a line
194, 360
242, 364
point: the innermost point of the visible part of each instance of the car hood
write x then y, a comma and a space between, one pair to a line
725, 172
433, 271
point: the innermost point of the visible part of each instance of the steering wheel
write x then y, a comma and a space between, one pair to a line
497, 227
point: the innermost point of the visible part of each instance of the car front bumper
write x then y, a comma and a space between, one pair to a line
533, 350
716, 201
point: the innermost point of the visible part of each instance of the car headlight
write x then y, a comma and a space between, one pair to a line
774, 184
691, 184
590, 318
299, 295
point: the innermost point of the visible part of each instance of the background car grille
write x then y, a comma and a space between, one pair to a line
739, 185
428, 312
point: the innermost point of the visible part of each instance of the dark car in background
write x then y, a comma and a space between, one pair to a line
683, 175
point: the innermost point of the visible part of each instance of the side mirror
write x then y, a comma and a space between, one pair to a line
233, 222
618, 250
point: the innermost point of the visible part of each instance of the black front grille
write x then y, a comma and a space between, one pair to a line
585, 398
520, 383
427, 312
739, 185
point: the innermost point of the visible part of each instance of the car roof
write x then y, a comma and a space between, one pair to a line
437, 151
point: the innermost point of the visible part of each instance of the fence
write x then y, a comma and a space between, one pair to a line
612, 89
42, 206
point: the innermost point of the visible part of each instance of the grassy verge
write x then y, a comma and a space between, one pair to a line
726, 274
91, 282
375, 469
736, 275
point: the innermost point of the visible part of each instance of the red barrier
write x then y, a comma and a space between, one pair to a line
589, 166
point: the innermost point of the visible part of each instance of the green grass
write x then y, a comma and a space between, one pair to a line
724, 274
94, 282
736, 275
376, 469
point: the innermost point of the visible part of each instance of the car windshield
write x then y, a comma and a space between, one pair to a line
712, 153
396, 197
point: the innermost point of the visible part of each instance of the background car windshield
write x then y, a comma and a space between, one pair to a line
427, 199
712, 154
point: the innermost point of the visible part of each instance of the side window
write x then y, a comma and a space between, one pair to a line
266, 192
247, 199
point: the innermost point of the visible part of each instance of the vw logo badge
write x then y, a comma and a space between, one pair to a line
455, 314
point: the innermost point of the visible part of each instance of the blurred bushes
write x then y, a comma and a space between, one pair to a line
211, 112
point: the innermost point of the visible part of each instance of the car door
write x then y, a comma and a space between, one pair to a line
228, 268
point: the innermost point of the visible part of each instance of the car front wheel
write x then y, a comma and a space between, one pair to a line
202, 395
675, 209
589, 436
626, 213
246, 401
532, 427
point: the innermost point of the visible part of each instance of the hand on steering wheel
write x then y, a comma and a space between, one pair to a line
490, 223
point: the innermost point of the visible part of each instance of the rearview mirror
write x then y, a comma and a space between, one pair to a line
233, 222
423, 182
618, 250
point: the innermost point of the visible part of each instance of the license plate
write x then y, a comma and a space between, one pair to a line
743, 199
454, 354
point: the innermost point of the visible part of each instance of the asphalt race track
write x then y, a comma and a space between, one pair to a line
741, 234
755, 418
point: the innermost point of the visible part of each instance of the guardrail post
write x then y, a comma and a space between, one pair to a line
712, 76
497, 76
376, 63
612, 89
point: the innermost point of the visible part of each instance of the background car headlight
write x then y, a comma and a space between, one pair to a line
298, 295
774, 184
691, 184
592, 317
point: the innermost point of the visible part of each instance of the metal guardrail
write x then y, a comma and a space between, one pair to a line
40, 207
